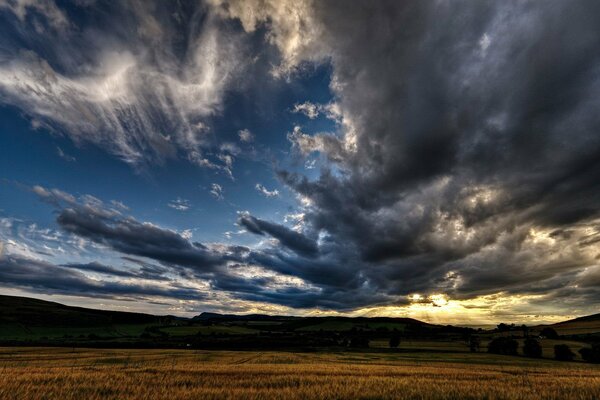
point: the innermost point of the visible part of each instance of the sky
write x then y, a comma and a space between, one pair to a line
430, 159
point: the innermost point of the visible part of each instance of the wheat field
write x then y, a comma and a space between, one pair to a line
35, 373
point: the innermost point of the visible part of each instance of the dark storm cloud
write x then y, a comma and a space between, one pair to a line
101, 269
89, 218
48, 278
145, 272
132, 237
467, 127
328, 278
467, 160
287, 237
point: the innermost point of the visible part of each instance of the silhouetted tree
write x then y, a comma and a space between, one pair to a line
503, 345
395, 340
532, 348
562, 352
474, 343
525, 330
591, 354
550, 333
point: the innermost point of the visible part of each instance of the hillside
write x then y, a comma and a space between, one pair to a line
34, 312
23, 318
579, 326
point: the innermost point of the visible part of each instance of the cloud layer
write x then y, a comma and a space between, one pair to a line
467, 151
464, 161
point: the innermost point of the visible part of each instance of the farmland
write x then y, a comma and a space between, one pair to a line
59, 352
60, 373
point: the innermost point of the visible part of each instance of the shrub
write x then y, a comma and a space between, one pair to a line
562, 352
474, 343
394, 340
503, 345
591, 354
550, 333
532, 348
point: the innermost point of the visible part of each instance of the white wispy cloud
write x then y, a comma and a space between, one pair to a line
179, 204
307, 108
64, 155
246, 136
131, 89
217, 191
47, 8
266, 192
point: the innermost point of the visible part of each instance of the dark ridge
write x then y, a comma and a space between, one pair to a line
34, 312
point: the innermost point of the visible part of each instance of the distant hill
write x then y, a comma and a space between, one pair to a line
241, 317
317, 324
36, 313
27, 320
266, 317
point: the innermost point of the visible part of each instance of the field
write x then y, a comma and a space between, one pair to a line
61, 373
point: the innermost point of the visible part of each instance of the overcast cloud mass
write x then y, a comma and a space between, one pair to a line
433, 159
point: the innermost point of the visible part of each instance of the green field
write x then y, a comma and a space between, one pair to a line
207, 330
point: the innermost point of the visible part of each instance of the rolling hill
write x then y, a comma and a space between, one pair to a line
579, 326
27, 318
43, 322
34, 312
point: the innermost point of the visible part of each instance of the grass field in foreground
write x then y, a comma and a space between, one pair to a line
59, 373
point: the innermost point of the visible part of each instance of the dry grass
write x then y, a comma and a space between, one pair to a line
161, 374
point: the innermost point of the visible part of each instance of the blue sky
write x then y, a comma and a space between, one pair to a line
301, 157
42, 157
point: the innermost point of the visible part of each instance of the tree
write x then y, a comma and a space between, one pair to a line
525, 330
503, 345
591, 354
532, 348
549, 333
562, 352
474, 343
394, 340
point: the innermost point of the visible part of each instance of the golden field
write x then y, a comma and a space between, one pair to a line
60, 373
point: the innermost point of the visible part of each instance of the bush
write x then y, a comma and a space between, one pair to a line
503, 345
532, 348
394, 340
562, 352
591, 354
549, 333
474, 343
